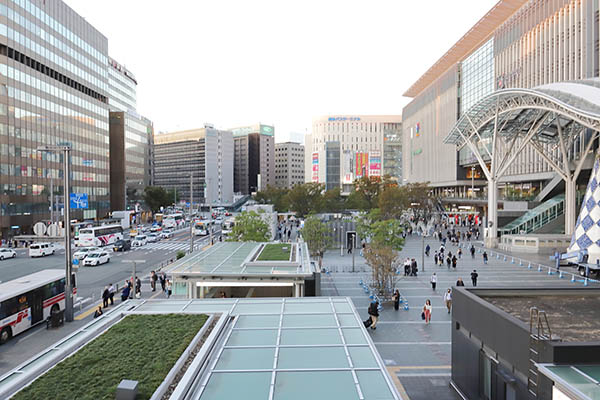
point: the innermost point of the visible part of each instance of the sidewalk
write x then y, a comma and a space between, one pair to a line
419, 355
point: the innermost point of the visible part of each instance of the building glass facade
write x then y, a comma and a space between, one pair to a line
254, 158
392, 151
332, 163
477, 76
53, 90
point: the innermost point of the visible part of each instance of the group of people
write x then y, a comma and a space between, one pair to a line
410, 267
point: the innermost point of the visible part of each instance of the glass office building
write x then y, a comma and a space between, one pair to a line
53, 90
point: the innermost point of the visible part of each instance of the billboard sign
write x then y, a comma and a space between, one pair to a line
315, 167
348, 167
362, 165
267, 130
375, 163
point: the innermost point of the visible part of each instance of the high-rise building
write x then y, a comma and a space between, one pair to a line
342, 148
289, 164
131, 137
254, 158
206, 154
53, 90
392, 151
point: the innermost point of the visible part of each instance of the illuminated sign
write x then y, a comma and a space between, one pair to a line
362, 165
343, 119
375, 163
315, 167
266, 130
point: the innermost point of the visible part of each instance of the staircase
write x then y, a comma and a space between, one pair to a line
537, 217
539, 330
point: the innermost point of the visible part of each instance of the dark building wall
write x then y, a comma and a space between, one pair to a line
117, 160
173, 164
240, 164
332, 165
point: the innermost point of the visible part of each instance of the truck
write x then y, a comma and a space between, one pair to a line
126, 217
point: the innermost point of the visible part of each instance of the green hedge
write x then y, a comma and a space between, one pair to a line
275, 252
142, 348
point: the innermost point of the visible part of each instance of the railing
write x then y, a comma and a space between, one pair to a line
536, 218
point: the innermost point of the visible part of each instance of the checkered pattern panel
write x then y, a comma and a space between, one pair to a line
587, 229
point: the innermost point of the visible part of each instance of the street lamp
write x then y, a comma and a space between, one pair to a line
66, 149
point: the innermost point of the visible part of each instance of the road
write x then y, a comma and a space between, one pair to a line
90, 283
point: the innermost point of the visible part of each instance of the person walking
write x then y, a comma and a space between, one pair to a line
111, 294
433, 280
396, 298
414, 267
138, 287
448, 299
105, 295
153, 279
374, 313
169, 291
125, 293
406, 267
454, 260
163, 281
459, 253
427, 308
485, 257
472, 251
427, 250
435, 258
448, 261
474, 276
460, 282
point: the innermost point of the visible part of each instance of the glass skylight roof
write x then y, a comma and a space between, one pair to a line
289, 349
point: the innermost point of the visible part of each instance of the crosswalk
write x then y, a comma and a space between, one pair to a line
169, 246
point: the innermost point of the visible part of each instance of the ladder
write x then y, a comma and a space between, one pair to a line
539, 330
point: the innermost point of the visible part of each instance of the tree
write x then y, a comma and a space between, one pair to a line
305, 199
156, 197
392, 202
273, 195
368, 188
333, 201
249, 227
316, 234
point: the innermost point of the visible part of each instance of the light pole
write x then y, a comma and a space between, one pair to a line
66, 149
134, 281
191, 215
472, 182
51, 200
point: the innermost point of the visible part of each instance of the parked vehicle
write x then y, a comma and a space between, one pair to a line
153, 238
96, 258
139, 240
122, 245
82, 252
41, 249
7, 253
166, 234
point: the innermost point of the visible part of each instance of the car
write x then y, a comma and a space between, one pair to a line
7, 253
139, 240
41, 249
122, 245
153, 238
95, 258
166, 234
82, 252
155, 228
227, 214
145, 229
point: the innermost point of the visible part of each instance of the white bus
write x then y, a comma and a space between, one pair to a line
29, 300
100, 235
201, 228
172, 220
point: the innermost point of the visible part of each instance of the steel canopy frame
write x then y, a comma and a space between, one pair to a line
544, 118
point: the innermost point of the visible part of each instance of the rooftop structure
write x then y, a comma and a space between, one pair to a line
238, 269
258, 349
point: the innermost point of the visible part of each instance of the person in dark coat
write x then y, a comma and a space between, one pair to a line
105, 296
163, 281
374, 313
460, 282
125, 293
485, 257
396, 298
98, 312
474, 276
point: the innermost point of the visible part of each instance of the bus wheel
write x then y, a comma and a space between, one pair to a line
5, 335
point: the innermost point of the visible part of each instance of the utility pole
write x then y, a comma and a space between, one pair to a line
210, 225
175, 197
51, 200
422, 250
191, 214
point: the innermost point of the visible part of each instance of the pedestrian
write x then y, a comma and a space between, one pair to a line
485, 257
448, 299
374, 313
98, 312
454, 260
460, 282
138, 288
169, 292
459, 253
448, 261
433, 280
111, 294
427, 249
474, 276
414, 267
472, 251
427, 308
153, 279
406, 267
349, 247
362, 250
435, 258
163, 281
125, 293
396, 298
105, 295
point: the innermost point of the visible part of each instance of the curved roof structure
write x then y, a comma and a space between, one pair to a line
573, 105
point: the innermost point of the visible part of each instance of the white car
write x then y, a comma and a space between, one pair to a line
96, 258
41, 249
153, 238
7, 253
166, 234
139, 240
82, 252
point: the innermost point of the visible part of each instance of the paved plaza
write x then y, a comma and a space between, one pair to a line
419, 355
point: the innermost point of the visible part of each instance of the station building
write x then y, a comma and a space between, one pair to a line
518, 45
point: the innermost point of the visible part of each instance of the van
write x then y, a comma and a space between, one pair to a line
41, 249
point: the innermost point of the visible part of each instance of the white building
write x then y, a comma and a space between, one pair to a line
342, 148
289, 164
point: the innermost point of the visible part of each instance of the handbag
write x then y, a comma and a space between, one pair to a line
423, 315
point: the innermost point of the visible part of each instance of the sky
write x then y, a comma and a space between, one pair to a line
238, 62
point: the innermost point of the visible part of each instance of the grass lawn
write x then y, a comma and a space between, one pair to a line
142, 348
275, 252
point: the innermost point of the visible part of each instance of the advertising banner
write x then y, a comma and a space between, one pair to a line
375, 163
348, 167
315, 167
362, 165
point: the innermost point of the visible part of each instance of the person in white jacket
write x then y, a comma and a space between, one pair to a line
433, 280
448, 299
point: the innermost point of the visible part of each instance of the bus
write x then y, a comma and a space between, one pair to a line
172, 220
201, 228
100, 235
29, 300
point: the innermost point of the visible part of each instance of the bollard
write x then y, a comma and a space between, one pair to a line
479, 251
560, 274
585, 283
572, 278
504, 258
498, 256
540, 267
520, 263
549, 271
529, 266
513, 260
406, 306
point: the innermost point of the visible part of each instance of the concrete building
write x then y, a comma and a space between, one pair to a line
342, 148
289, 164
131, 140
206, 154
254, 158
518, 44
54, 84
